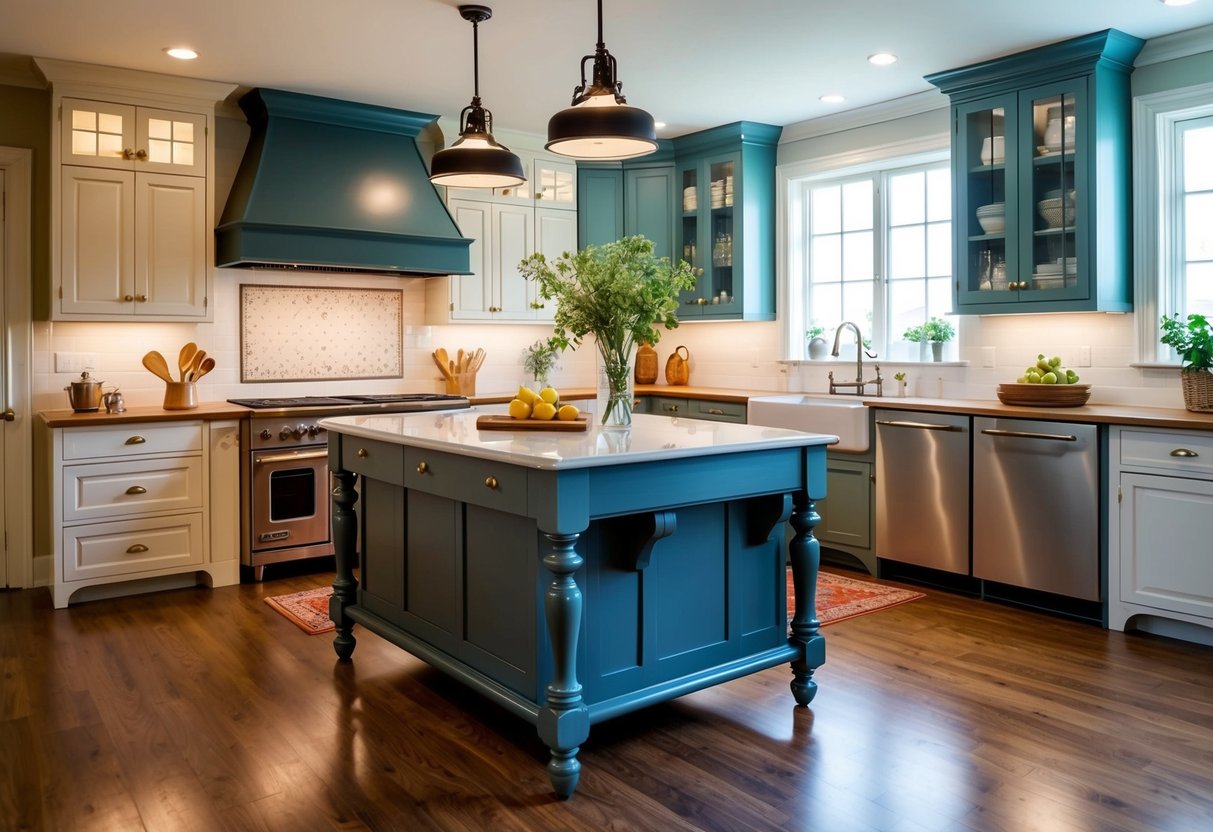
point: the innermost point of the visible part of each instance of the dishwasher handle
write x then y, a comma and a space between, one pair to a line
898, 423
1024, 434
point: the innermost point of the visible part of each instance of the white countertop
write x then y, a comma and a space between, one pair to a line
651, 438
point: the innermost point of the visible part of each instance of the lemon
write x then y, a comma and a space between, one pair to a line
527, 395
567, 413
520, 409
544, 411
549, 395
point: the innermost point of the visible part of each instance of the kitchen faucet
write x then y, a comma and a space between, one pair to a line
858, 384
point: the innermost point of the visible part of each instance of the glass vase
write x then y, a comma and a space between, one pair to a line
615, 390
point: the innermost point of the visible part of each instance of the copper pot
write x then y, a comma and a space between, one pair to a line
84, 395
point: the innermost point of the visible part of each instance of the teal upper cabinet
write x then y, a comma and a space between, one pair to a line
621, 199
599, 203
725, 194
1041, 163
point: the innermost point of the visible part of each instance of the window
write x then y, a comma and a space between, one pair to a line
1173, 183
879, 253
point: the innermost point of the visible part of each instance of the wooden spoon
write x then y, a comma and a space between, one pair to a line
155, 362
460, 366
185, 357
192, 373
440, 359
477, 359
205, 367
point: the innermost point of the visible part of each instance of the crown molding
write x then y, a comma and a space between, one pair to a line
1177, 45
908, 105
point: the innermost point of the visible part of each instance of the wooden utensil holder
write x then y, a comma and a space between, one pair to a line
180, 395
461, 384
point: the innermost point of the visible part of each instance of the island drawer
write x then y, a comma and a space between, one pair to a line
132, 440
383, 461
1190, 453
668, 406
132, 546
480, 482
109, 489
717, 411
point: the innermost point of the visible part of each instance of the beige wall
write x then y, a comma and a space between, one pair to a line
25, 122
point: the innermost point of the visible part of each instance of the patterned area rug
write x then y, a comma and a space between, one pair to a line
838, 598
309, 609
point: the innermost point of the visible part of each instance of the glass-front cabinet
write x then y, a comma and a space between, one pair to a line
706, 234
1041, 171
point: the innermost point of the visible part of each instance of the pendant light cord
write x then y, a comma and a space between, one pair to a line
601, 43
476, 59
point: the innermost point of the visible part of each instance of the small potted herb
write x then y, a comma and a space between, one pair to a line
1193, 340
538, 361
900, 378
934, 332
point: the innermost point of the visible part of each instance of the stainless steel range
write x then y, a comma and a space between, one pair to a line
284, 492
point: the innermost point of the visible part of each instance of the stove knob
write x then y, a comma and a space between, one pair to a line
266, 434
314, 430
300, 431
285, 433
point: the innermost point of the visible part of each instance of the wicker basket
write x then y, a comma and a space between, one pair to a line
1198, 390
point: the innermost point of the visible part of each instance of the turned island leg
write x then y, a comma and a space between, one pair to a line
804, 551
345, 545
564, 723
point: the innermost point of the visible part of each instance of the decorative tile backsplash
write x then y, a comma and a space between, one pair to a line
293, 333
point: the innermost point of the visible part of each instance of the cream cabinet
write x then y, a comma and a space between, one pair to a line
1160, 525
133, 194
507, 225
143, 500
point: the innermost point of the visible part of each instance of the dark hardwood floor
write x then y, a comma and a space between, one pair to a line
206, 710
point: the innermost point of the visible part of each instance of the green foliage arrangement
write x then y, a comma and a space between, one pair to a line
539, 359
619, 293
936, 329
1192, 340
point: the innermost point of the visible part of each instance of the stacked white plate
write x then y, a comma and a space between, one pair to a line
690, 199
993, 217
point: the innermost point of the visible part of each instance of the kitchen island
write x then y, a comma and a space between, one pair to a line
572, 577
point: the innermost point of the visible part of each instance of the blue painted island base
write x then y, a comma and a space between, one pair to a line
570, 597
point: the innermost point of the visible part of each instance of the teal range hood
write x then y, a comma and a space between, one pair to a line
328, 185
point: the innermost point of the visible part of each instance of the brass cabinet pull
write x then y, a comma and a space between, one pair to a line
135, 549
127, 153
715, 411
671, 408
135, 440
128, 298
141, 298
141, 155
702, 301
490, 482
10, 415
1184, 453
362, 452
136, 489
423, 468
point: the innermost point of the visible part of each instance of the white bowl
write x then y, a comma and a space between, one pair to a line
994, 208
995, 224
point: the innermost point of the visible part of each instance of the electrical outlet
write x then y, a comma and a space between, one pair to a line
75, 362
1084, 356
987, 356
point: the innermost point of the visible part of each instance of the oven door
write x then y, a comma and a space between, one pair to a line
290, 498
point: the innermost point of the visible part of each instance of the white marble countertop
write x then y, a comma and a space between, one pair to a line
650, 438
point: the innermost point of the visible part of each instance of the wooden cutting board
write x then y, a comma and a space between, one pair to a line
499, 422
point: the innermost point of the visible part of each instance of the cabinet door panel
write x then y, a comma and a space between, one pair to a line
650, 209
171, 142
1166, 524
555, 233
170, 261
97, 240
513, 241
470, 293
599, 206
96, 133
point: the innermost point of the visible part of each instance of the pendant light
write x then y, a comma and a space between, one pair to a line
476, 160
599, 124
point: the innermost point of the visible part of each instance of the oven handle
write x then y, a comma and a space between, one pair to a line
272, 458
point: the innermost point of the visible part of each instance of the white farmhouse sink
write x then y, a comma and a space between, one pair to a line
847, 418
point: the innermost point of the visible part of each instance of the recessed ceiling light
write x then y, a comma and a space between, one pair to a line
659, 124
181, 53
882, 59
1178, 2
833, 98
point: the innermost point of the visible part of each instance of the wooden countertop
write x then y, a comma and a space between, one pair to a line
210, 411
1099, 414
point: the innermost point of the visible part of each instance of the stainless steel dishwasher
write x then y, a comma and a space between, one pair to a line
1036, 505
922, 489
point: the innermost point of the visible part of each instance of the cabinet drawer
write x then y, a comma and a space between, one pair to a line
1190, 453
383, 461
666, 406
110, 489
717, 411
132, 546
482, 482
132, 440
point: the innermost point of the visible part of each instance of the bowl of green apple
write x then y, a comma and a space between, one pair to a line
1045, 384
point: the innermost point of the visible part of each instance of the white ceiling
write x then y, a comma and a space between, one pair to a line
691, 63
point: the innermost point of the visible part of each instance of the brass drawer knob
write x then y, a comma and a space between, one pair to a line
136, 489
490, 482
1184, 453
134, 440
136, 549
423, 468
362, 452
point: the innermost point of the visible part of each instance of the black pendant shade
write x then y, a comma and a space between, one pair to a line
476, 159
599, 124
